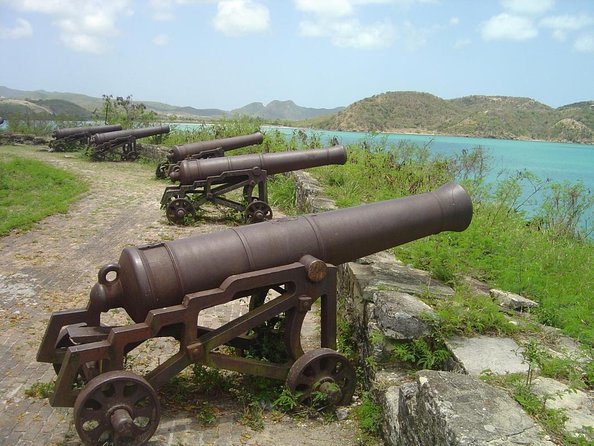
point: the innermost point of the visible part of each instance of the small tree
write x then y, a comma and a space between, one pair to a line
125, 112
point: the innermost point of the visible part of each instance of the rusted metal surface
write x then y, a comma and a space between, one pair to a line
122, 143
205, 149
73, 138
164, 288
209, 180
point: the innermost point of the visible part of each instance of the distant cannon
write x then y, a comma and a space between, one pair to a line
105, 145
72, 138
205, 149
283, 266
208, 180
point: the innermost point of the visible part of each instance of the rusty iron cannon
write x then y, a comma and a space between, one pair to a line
72, 138
208, 180
122, 143
205, 149
282, 266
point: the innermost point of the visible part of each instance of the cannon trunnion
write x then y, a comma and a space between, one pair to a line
210, 180
283, 266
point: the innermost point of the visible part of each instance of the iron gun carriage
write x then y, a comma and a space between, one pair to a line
69, 139
165, 287
106, 144
205, 149
208, 180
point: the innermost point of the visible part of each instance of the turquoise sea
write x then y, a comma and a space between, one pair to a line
558, 162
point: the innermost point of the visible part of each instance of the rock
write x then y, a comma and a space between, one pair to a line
577, 405
512, 301
399, 315
451, 409
499, 355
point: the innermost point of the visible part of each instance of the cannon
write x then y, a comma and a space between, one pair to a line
72, 138
208, 180
282, 266
108, 144
205, 149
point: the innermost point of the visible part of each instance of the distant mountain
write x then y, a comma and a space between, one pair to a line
284, 110
484, 116
275, 110
43, 108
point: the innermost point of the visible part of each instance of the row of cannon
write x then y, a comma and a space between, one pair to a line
104, 141
282, 266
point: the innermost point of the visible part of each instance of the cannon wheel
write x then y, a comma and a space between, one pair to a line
86, 371
162, 169
178, 209
257, 211
117, 407
322, 370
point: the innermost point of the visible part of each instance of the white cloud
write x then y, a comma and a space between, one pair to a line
161, 39
238, 17
350, 33
567, 22
164, 9
84, 25
508, 27
562, 25
454, 21
22, 29
527, 7
584, 43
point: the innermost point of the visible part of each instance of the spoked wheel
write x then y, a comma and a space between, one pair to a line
162, 169
119, 408
179, 209
323, 370
257, 211
87, 371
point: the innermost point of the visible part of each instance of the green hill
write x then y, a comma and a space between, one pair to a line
484, 116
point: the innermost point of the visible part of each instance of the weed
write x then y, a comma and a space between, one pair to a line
369, 417
286, 401
40, 390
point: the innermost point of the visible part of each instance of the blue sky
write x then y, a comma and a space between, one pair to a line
319, 53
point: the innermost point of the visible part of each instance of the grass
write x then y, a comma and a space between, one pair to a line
32, 190
543, 262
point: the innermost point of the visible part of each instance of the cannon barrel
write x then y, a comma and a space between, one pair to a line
63, 133
179, 153
101, 138
195, 170
160, 275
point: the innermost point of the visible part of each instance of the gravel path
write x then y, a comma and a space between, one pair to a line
53, 267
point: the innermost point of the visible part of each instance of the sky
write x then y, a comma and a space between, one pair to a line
318, 53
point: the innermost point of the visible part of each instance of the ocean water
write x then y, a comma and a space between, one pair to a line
558, 162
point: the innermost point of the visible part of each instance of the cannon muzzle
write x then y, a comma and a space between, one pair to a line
195, 170
178, 153
101, 138
160, 275
63, 133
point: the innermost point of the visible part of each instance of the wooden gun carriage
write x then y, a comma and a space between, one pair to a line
210, 180
122, 143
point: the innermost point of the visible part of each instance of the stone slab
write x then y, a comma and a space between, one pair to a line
497, 354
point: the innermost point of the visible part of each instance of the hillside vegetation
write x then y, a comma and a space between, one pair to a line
484, 116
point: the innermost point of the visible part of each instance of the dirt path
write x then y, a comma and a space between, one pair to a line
53, 267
